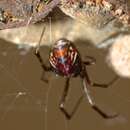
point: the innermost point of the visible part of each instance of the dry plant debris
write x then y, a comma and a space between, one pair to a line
97, 12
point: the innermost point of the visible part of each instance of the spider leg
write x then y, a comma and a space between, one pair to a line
63, 100
90, 99
89, 60
37, 54
44, 67
105, 85
44, 78
92, 61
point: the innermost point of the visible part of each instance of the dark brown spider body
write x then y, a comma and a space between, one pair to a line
66, 61
65, 58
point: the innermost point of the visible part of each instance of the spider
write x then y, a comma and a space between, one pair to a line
65, 60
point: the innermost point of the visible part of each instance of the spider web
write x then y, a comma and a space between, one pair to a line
15, 93
19, 87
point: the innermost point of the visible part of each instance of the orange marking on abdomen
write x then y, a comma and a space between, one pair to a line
60, 52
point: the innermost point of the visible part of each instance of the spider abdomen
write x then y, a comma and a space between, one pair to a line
65, 59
